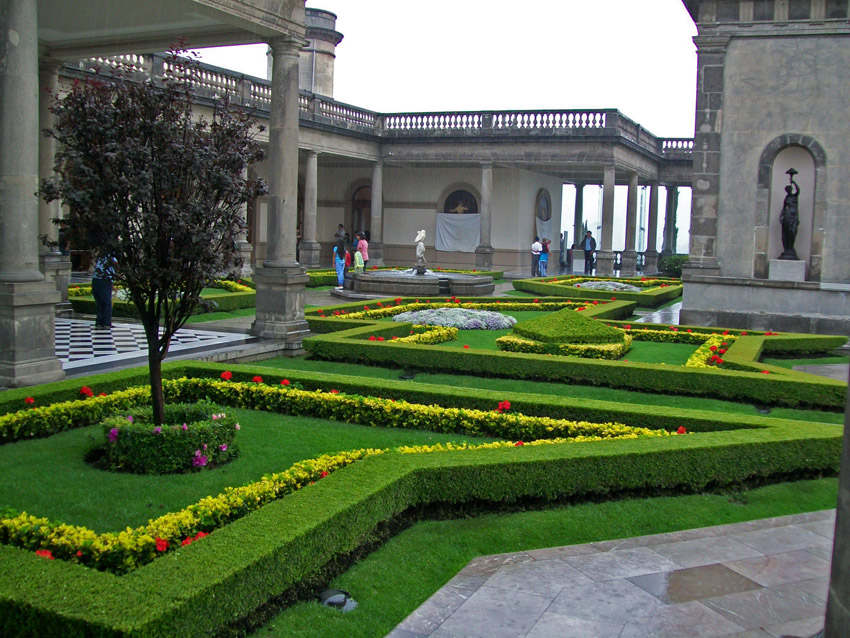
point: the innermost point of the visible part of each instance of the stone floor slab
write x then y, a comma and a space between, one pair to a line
692, 619
551, 625
781, 539
705, 551
778, 569
546, 578
622, 563
494, 613
694, 583
614, 601
767, 607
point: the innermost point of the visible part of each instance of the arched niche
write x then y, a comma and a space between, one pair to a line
805, 155
358, 209
446, 203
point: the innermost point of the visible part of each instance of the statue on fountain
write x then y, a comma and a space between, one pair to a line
789, 218
420, 252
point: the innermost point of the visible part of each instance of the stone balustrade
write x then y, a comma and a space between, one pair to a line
211, 83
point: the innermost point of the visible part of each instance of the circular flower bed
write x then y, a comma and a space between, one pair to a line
460, 318
611, 286
198, 436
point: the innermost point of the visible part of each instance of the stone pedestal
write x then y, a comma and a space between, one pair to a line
605, 263
787, 270
280, 305
484, 257
27, 327
628, 263
308, 253
376, 253
246, 270
57, 269
650, 263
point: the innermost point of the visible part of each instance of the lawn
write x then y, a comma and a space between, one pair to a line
393, 581
76, 493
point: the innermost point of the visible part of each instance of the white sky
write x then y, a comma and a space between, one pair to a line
446, 55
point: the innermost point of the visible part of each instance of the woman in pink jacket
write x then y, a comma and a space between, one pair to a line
363, 247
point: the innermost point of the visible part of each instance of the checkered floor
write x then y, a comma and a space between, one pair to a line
79, 344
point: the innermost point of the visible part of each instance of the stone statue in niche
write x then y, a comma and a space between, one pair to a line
789, 218
420, 252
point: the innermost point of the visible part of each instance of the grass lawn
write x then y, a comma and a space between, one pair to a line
393, 581
218, 316
540, 387
790, 362
74, 492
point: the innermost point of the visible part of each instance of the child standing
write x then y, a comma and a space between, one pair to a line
359, 264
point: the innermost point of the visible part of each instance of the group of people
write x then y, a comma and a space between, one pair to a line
343, 259
540, 255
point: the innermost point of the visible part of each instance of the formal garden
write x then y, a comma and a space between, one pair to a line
501, 423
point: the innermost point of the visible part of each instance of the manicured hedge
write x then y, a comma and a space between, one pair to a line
201, 588
224, 302
567, 326
798, 390
651, 298
327, 276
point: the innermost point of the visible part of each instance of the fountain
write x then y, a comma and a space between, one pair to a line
419, 281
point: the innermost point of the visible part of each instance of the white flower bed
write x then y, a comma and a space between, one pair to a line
458, 318
611, 286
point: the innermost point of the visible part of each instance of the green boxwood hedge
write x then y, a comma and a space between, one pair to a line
203, 587
652, 298
567, 326
223, 302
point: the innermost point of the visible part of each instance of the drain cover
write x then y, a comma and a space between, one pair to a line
338, 599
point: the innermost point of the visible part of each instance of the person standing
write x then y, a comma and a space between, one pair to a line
340, 233
101, 289
588, 245
359, 264
536, 249
363, 246
339, 262
543, 264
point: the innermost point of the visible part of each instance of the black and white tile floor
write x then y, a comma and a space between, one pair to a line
82, 348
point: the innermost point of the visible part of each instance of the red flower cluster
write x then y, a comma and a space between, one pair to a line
628, 326
536, 301
161, 544
227, 375
365, 307
257, 379
397, 301
191, 539
284, 382
324, 474
715, 359
769, 333
371, 337
503, 406
595, 303
682, 430
765, 371
674, 329
613, 299
44, 553
29, 401
519, 444
580, 309
86, 392
465, 346
334, 391
380, 339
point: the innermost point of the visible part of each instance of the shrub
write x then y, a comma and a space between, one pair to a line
195, 437
671, 265
567, 326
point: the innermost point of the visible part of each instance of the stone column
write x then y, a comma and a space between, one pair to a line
281, 279
578, 216
838, 602
628, 264
650, 264
711, 59
484, 251
27, 300
55, 266
376, 220
669, 234
310, 247
604, 252
246, 270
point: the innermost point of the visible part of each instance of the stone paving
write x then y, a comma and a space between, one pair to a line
759, 579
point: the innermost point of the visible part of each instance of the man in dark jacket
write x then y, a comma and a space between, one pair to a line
588, 244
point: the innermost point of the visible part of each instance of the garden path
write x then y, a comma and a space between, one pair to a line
759, 579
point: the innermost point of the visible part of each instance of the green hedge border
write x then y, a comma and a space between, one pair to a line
648, 299
205, 586
225, 301
747, 383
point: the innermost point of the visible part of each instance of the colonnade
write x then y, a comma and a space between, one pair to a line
605, 256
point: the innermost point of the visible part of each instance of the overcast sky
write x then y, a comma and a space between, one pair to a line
444, 55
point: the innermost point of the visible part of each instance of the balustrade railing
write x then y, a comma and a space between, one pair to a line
214, 82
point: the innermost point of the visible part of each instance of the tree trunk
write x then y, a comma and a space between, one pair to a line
155, 371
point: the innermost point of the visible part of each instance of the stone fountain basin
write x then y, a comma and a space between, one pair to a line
408, 283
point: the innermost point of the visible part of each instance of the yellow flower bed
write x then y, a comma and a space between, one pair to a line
514, 343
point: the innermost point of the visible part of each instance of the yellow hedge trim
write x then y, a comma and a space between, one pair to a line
436, 334
514, 343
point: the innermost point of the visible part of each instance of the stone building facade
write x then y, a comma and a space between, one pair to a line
771, 96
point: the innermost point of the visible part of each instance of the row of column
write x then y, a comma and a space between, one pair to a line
605, 256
